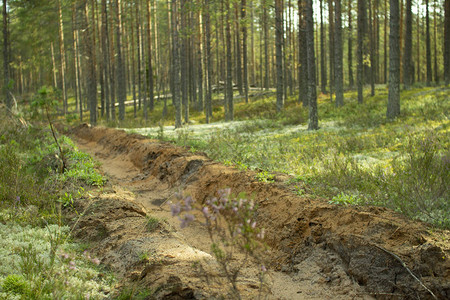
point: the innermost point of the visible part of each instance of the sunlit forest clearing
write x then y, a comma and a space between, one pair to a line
225, 149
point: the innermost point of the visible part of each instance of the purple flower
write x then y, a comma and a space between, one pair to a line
253, 225
187, 202
263, 268
188, 218
175, 209
205, 211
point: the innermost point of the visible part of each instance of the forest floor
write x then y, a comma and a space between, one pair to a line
316, 250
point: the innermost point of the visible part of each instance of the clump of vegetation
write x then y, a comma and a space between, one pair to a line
152, 223
37, 259
31, 269
232, 227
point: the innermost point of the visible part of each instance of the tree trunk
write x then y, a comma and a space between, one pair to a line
176, 66
338, 71
91, 73
229, 83
133, 67
303, 62
55, 79
313, 123
6, 57
407, 49
323, 72
252, 44
447, 42
105, 52
331, 45
139, 52
350, 45
149, 55
428, 44
360, 52
238, 50
279, 52
62, 53
121, 82
385, 43
436, 72
184, 60
208, 104
266, 46
372, 52
393, 107
418, 43
244, 48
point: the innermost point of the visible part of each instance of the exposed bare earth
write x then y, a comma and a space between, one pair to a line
317, 250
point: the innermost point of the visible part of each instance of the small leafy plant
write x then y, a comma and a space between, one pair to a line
232, 227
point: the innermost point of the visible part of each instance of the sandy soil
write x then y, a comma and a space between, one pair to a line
316, 250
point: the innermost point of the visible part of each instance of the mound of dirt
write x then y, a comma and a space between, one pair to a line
317, 250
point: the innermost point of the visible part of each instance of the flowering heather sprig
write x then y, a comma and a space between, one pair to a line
239, 212
182, 211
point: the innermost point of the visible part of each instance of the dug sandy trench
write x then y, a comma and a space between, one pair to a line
316, 250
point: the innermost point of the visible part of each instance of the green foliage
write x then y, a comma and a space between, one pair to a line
152, 223
46, 99
264, 176
33, 268
345, 199
14, 284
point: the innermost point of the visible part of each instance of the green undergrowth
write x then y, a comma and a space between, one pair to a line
358, 157
38, 179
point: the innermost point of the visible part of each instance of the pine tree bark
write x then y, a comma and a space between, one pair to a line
184, 61
6, 57
331, 45
303, 62
62, 53
176, 66
393, 107
313, 123
121, 81
407, 49
105, 52
360, 51
350, 45
229, 81
436, 72
238, 55
91, 72
418, 43
138, 46
338, 71
149, 55
133, 66
279, 52
428, 44
385, 44
323, 72
447, 42
244, 48
266, 46
372, 52
208, 104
